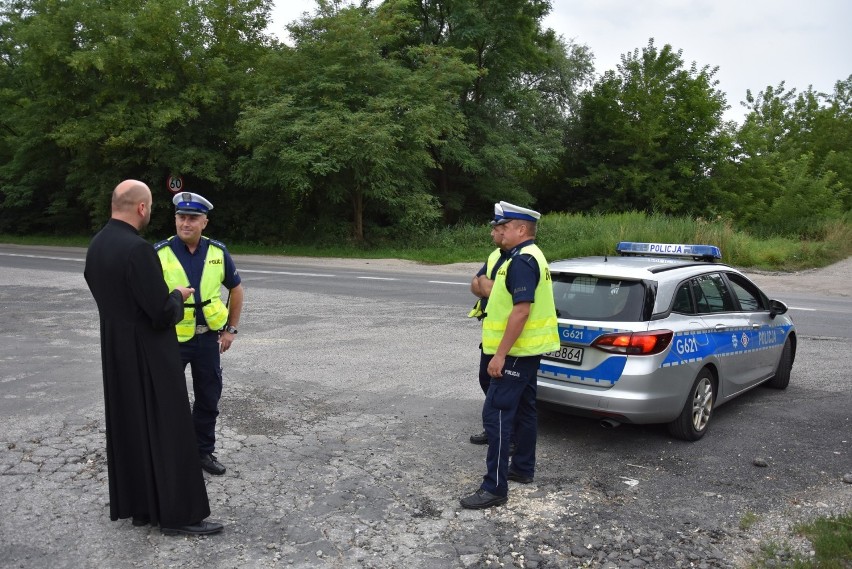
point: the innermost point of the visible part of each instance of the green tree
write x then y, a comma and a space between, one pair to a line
100, 91
787, 174
828, 135
647, 137
31, 161
346, 119
516, 110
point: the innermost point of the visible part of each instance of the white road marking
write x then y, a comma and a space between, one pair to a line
42, 257
288, 273
293, 274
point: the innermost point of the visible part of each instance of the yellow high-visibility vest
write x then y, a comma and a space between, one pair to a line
476, 311
541, 332
214, 310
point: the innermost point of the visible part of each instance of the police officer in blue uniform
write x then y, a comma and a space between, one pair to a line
480, 286
209, 326
518, 327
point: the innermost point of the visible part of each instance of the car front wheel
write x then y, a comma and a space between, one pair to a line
695, 416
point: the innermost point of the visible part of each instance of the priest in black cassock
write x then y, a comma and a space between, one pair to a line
153, 466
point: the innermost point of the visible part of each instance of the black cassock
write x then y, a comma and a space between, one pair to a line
152, 457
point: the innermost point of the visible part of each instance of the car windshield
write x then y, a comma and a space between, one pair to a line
586, 297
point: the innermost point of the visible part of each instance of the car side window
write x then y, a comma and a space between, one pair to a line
683, 300
751, 299
713, 294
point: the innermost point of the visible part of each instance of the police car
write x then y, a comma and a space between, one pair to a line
661, 333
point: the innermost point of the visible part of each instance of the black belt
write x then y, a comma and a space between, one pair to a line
194, 305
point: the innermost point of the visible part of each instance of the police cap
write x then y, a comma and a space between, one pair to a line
191, 204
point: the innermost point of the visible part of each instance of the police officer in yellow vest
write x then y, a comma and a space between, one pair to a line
209, 326
480, 286
519, 326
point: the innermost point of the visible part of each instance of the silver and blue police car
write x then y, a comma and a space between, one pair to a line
661, 333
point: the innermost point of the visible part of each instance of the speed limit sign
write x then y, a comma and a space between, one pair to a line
175, 184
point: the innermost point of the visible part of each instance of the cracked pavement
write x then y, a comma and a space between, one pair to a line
344, 424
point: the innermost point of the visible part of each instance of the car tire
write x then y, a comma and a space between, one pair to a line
695, 416
782, 375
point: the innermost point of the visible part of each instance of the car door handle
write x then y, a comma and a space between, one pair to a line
721, 327
755, 326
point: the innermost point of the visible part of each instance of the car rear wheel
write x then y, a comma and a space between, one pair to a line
785, 366
695, 416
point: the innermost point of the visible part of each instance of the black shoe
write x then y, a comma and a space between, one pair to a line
211, 465
201, 528
482, 499
139, 521
519, 478
479, 438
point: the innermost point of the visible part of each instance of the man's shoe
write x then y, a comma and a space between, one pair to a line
482, 499
139, 521
519, 478
201, 528
211, 465
479, 438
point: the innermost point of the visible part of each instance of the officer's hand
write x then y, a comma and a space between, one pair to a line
485, 286
185, 292
225, 341
495, 366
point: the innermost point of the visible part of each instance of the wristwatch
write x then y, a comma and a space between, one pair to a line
229, 328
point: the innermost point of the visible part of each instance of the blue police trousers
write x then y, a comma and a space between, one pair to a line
510, 407
201, 352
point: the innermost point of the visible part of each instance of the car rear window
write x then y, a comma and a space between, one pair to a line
585, 297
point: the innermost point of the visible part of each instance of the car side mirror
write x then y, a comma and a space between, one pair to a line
776, 307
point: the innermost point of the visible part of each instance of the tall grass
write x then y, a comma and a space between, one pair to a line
576, 235
562, 235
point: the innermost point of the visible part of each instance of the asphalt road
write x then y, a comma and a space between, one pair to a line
349, 396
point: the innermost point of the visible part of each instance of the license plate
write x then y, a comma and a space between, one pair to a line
566, 354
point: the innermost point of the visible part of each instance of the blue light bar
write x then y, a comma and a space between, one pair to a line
708, 252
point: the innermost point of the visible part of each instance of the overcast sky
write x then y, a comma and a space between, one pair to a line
754, 43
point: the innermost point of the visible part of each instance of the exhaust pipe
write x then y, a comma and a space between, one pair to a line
609, 423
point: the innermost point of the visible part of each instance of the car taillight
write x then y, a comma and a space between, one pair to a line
635, 343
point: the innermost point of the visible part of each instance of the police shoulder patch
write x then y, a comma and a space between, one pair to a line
218, 244
528, 259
